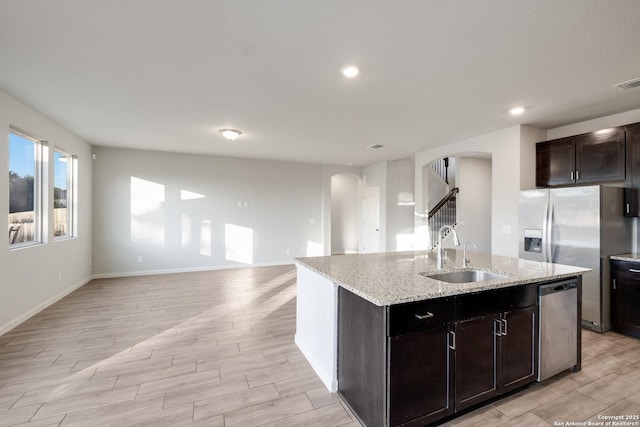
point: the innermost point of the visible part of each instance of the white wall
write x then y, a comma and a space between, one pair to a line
505, 147
185, 212
29, 279
400, 204
345, 213
474, 203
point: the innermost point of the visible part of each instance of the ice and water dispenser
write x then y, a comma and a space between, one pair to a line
533, 240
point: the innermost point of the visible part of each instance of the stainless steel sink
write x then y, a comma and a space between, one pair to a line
464, 276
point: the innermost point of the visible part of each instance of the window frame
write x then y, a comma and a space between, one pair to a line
72, 175
40, 181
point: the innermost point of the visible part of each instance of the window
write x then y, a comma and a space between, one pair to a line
25, 189
63, 194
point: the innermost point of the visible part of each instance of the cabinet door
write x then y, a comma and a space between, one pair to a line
632, 192
555, 162
600, 156
625, 298
519, 348
420, 370
477, 360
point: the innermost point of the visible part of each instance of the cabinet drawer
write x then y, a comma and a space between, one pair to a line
419, 316
484, 303
626, 270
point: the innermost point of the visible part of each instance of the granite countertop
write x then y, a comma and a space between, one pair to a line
394, 277
626, 257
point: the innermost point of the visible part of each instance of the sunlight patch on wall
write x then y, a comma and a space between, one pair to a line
314, 248
404, 242
422, 237
190, 195
186, 231
238, 243
147, 212
405, 199
205, 237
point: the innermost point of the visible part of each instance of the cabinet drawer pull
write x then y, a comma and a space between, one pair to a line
628, 208
577, 175
424, 316
571, 175
634, 270
504, 333
497, 327
452, 346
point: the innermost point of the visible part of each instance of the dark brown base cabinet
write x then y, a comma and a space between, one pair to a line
416, 363
494, 355
625, 297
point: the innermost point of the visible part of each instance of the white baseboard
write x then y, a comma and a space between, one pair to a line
37, 309
186, 270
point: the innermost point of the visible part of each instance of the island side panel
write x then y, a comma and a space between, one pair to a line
317, 324
362, 357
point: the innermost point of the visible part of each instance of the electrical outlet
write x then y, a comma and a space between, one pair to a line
59, 276
139, 258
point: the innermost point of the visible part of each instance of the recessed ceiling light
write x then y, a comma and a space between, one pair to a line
230, 134
350, 71
516, 111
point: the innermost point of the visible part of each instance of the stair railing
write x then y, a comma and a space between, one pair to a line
444, 213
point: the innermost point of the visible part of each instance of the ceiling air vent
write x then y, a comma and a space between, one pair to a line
629, 84
375, 146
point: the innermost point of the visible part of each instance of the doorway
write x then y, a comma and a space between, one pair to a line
345, 214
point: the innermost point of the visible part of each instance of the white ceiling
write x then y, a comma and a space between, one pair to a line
167, 74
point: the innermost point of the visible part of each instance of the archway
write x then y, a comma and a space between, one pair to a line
345, 213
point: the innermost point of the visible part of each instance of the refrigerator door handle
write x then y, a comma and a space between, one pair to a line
545, 232
548, 227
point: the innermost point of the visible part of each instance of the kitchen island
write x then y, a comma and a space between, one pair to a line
412, 349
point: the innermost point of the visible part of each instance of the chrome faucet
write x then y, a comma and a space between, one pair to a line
465, 260
456, 242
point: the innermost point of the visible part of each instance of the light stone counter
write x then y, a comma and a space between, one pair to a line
627, 257
394, 277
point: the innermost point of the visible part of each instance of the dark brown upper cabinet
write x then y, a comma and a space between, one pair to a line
556, 162
631, 195
594, 157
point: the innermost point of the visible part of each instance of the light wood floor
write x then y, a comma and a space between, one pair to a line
216, 349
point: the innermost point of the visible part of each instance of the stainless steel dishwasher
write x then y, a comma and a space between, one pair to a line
558, 326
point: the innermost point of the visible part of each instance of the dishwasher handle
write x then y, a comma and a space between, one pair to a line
557, 287
565, 287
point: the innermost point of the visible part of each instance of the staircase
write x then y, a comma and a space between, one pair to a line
444, 213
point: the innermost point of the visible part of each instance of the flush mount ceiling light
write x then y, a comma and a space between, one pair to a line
230, 134
350, 71
375, 146
516, 111
629, 84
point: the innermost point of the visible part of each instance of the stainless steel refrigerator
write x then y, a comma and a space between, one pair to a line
580, 226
